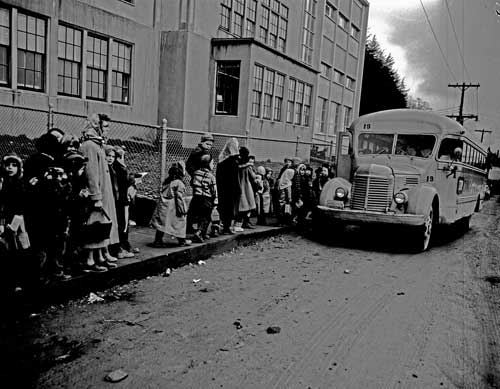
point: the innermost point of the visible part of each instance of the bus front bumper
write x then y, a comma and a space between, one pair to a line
350, 216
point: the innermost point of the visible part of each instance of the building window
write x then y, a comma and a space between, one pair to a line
121, 55
268, 94
322, 122
69, 53
227, 87
264, 24
283, 28
239, 11
330, 10
337, 116
350, 83
251, 17
307, 104
347, 117
4, 46
258, 76
291, 100
308, 31
30, 52
326, 70
278, 96
299, 97
274, 24
355, 33
97, 66
338, 77
332, 119
225, 14
343, 21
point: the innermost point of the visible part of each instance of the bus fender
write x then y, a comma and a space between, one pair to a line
328, 192
420, 199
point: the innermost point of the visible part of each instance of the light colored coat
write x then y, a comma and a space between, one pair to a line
99, 184
247, 179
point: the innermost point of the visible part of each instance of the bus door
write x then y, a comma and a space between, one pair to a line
344, 155
449, 177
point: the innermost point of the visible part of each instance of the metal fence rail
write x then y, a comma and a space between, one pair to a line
149, 148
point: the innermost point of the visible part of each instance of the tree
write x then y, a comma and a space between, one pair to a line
382, 87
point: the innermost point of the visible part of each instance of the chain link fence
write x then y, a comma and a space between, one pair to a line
150, 149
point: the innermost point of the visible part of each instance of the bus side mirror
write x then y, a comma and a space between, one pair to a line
457, 154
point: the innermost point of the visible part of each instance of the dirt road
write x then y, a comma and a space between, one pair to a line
355, 315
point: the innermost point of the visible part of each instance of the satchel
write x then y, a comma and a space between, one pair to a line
97, 227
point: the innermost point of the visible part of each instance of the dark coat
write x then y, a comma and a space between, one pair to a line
228, 187
12, 199
193, 162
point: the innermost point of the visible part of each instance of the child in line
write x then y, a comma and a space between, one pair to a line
263, 197
285, 196
170, 213
204, 198
12, 203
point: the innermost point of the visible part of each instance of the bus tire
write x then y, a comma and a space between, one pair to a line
424, 232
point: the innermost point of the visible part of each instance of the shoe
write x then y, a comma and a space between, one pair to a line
109, 258
185, 242
94, 269
132, 223
109, 265
135, 250
227, 232
238, 229
62, 277
206, 237
125, 254
197, 238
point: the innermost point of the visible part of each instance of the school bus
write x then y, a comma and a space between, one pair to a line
405, 167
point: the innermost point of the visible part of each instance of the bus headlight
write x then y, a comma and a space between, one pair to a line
340, 193
400, 198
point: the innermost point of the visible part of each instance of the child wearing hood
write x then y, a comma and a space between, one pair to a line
169, 216
263, 196
285, 196
12, 207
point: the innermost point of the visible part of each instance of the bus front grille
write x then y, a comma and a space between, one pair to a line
371, 194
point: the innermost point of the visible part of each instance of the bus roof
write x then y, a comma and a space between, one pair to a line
427, 120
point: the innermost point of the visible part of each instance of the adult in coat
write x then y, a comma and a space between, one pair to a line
247, 179
228, 184
98, 180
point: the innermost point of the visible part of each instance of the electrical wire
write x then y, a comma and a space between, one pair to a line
437, 41
456, 38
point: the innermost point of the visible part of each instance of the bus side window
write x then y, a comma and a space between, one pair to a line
447, 148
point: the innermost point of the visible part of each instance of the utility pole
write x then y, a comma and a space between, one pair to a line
460, 117
483, 131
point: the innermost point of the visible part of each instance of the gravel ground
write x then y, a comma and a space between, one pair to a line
286, 312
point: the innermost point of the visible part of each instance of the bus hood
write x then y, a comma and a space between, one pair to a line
389, 169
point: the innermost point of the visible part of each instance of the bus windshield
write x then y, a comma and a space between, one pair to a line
406, 144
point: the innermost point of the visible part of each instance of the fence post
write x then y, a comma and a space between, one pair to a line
297, 146
247, 136
50, 117
331, 149
164, 130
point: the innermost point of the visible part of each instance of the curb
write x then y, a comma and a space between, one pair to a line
80, 286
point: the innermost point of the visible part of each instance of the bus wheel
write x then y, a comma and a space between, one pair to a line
424, 234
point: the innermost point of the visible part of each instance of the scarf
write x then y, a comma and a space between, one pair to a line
286, 179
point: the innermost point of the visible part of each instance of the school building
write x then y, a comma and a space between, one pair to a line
270, 69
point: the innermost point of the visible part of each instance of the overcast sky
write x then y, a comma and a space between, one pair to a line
473, 29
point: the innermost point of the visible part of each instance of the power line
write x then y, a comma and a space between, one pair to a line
456, 38
437, 41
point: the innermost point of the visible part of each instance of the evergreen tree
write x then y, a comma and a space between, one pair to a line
382, 87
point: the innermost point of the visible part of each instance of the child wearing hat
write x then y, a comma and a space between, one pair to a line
204, 198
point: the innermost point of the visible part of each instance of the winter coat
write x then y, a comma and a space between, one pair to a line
99, 183
12, 199
228, 187
193, 162
247, 183
169, 216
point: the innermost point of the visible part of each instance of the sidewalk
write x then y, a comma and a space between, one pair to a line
152, 261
